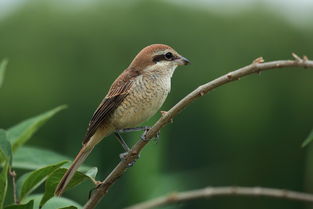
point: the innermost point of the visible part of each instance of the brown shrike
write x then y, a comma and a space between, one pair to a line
135, 96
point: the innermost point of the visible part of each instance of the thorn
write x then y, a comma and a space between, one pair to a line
258, 60
201, 93
229, 76
297, 58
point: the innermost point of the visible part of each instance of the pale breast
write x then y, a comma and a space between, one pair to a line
145, 98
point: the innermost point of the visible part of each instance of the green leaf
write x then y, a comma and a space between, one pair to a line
55, 178
5, 148
92, 172
32, 158
54, 203
3, 66
28, 157
69, 207
20, 133
3, 183
29, 205
308, 140
35, 178
6, 156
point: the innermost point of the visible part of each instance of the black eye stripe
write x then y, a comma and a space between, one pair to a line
161, 57
158, 58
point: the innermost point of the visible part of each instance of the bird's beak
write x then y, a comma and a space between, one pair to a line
182, 61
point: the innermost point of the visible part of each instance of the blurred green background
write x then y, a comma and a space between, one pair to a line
246, 133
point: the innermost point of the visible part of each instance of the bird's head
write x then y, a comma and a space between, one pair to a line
158, 57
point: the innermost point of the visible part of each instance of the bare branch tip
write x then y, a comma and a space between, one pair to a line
258, 60
296, 57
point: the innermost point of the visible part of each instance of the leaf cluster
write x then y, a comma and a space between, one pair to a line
41, 166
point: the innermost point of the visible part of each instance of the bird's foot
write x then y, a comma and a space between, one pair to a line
156, 137
123, 158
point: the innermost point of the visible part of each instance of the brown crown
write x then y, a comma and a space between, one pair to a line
145, 57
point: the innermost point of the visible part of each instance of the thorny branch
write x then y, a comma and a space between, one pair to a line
223, 191
256, 66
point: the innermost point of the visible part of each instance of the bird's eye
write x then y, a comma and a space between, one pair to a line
168, 55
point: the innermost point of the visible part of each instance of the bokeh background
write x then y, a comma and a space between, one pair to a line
246, 133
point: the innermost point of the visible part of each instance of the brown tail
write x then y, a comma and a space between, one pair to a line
80, 158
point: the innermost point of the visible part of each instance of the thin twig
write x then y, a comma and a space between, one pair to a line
296, 57
223, 191
255, 67
13, 175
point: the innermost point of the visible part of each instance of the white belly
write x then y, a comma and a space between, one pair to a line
145, 98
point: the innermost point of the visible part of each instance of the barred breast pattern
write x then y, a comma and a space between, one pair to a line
145, 98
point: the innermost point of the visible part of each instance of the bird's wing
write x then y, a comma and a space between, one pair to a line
117, 93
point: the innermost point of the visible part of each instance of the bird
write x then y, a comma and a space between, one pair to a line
135, 96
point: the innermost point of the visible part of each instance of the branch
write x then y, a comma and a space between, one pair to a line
223, 191
255, 67
13, 175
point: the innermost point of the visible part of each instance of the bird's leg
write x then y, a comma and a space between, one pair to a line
126, 130
126, 148
121, 141
142, 128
